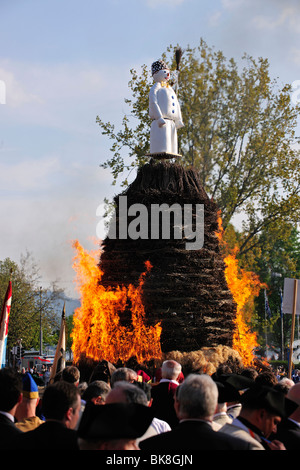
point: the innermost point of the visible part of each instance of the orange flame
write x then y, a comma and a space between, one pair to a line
244, 286
98, 332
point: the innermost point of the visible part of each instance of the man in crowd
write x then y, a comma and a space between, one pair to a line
60, 406
10, 398
123, 374
26, 410
124, 392
195, 403
288, 430
163, 393
114, 426
71, 374
262, 410
96, 392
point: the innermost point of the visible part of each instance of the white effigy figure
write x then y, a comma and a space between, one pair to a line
165, 112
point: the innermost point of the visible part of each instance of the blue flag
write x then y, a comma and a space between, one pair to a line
267, 306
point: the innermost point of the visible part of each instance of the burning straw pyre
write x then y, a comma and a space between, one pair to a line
149, 296
150, 299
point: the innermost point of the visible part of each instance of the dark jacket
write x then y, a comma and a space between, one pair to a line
8, 432
289, 434
48, 436
162, 406
193, 435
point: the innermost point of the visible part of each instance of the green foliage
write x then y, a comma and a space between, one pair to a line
278, 259
29, 303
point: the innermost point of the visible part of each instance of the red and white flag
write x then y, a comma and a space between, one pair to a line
4, 325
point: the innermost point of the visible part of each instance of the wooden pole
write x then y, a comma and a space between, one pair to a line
293, 328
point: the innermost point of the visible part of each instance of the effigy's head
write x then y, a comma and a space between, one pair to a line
160, 71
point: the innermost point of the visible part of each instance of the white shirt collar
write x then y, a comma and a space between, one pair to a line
168, 380
8, 415
221, 413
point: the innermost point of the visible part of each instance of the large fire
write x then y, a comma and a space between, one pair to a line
98, 332
244, 286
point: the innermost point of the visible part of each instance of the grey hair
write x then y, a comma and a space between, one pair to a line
123, 373
132, 392
170, 369
197, 396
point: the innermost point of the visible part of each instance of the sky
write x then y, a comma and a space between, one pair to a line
64, 62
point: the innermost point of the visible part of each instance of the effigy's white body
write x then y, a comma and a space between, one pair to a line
165, 112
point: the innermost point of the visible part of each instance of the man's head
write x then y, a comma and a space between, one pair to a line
10, 390
62, 402
170, 370
71, 374
264, 407
196, 397
123, 374
96, 392
124, 392
27, 407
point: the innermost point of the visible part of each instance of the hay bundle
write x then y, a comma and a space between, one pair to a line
206, 360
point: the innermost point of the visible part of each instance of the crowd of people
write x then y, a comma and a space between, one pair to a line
126, 409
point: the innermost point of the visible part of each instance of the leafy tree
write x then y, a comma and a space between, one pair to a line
273, 260
239, 133
30, 304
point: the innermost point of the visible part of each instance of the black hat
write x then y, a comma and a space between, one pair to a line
272, 400
158, 65
114, 421
239, 382
230, 385
227, 393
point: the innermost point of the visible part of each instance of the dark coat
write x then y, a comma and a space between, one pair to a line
289, 434
8, 431
193, 435
50, 435
163, 402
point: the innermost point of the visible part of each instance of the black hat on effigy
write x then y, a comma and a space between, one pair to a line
114, 421
158, 65
274, 401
